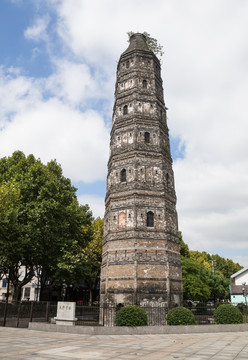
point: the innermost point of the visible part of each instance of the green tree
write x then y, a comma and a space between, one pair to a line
226, 266
47, 220
9, 227
215, 275
219, 286
82, 264
195, 280
92, 257
184, 249
202, 257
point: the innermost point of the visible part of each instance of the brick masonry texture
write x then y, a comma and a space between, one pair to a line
141, 256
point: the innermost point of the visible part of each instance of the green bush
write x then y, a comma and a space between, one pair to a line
228, 314
216, 305
180, 316
243, 308
131, 315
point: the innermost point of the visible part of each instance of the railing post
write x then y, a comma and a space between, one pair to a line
47, 310
5, 313
31, 312
18, 314
6, 304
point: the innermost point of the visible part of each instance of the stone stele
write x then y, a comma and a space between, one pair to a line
65, 313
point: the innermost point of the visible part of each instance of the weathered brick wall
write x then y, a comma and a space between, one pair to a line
141, 264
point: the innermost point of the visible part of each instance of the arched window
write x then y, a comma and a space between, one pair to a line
147, 137
127, 64
119, 306
125, 110
167, 180
144, 84
150, 219
123, 175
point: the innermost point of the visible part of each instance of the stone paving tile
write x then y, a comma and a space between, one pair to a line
23, 344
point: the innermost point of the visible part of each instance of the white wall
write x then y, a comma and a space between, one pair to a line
242, 278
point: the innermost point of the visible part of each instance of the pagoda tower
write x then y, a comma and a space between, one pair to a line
141, 255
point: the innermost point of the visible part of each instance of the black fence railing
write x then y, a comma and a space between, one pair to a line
87, 315
21, 313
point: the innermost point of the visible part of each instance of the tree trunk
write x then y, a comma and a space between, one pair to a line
17, 290
18, 284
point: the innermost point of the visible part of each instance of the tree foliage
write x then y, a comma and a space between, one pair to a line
9, 226
82, 264
205, 276
43, 218
152, 43
195, 280
184, 249
226, 267
219, 286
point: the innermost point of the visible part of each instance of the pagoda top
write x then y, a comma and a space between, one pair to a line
137, 42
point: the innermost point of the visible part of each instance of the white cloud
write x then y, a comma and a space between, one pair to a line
52, 129
17, 93
79, 141
74, 83
38, 30
96, 204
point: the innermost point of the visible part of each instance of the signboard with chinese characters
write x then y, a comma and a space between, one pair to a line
66, 313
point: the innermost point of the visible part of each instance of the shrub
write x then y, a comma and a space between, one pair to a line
243, 308
216, 305
228, 314
131, 315
180, 316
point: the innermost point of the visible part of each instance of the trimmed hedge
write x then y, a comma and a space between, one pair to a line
228, 314
243, 308
180, 316
131, 315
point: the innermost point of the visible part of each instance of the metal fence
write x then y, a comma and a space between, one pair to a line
21, 313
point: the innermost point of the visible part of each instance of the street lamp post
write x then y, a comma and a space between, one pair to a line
244, 289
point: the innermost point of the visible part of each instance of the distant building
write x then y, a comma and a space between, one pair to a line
239, 286
29, 291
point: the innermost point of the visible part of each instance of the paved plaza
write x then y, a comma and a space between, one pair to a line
21, 344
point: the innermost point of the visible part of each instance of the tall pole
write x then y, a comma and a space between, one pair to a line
6, 303
245, 292
244, 289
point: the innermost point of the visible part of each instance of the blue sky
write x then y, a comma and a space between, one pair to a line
15, 49
57, 75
